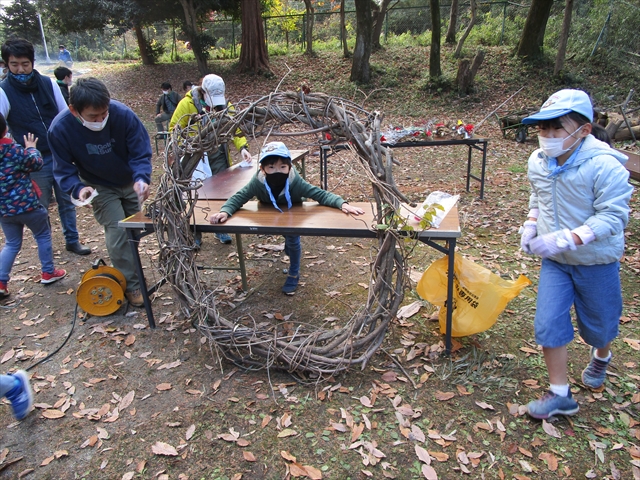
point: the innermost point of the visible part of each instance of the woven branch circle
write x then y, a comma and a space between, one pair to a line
310, 352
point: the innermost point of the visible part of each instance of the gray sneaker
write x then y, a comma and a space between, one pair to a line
593, 376
551, 404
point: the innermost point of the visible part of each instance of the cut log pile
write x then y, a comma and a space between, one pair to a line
618, 129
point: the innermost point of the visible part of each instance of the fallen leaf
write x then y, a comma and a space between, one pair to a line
287, 432
163, 386
190, 431
128, 476
167, 366
52, 414
550, 429
248, 456
126, 400
130, 340
423, 455
429, 473
484, 405
444, 396
161, 448
8, 356
287, 456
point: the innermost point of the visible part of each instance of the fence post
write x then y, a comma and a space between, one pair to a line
233, 38
504, 19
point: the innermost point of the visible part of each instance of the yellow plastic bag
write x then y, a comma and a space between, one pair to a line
479, 295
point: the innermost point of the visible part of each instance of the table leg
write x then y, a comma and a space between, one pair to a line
133, 242
484, 165
469, 167
323, 167
243, 271
450, 305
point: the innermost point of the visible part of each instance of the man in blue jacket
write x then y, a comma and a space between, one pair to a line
30, 101
100, 145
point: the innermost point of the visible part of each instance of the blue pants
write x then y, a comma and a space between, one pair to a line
594, 292
13, 227
293, 249
7, 383
66, 209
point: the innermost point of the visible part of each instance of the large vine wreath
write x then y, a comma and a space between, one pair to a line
307, 350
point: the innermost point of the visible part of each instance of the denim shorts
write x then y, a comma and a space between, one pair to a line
594, 291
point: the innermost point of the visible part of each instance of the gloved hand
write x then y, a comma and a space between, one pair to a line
529, 230
246, 156
552, 243
142, 189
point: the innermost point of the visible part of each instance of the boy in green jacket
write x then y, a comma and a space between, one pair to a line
278, 183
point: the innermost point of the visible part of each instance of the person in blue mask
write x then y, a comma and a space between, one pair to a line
102, 154
29, 102
277, 183
579, 208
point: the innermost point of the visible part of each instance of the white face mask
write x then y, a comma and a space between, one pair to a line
166, 92
95, 126
553, 147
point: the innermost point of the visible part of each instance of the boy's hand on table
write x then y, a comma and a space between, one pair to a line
219, 217
346, 208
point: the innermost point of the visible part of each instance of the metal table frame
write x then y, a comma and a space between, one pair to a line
250, 220
479, 144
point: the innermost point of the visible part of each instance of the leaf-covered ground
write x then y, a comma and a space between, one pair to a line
122, 401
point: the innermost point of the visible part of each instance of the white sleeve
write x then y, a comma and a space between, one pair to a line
5, 106
62, 105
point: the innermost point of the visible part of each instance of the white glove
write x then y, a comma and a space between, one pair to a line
529, 230
246, 156
552, 243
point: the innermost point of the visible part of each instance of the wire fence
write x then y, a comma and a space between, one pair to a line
604, 27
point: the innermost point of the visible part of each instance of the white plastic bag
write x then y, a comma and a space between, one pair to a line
445, 200
202, 171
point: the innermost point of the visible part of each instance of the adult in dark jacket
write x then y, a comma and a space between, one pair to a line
30, 101
166, 105
100, 145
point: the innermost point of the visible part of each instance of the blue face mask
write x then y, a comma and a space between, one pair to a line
23, 77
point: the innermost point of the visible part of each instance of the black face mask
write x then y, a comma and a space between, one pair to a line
276, 181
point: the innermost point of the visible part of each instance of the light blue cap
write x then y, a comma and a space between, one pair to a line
274, 149
561, 103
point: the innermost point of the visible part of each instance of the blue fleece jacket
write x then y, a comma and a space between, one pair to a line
117, 156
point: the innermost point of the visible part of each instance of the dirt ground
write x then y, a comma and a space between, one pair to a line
122, 401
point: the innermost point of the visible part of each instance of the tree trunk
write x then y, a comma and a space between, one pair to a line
564, 37
309, 30
142, 45
467, 72
191, 31
434, 56
254, 57
379, 15
530, 44
343, 30
450, 39
360, 68
472, 22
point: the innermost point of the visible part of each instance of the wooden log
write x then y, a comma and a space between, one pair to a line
623, 133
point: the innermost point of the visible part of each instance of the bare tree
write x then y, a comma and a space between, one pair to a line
379, 14
254, 57
532, 38
450, 38
467, 30
360, 68
564, 37
309, 27
343, 31
434, 56
192, 32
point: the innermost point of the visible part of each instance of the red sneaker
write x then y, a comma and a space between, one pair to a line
3, 290
53, 277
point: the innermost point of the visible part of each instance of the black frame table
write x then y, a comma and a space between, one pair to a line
479, 144
307, 219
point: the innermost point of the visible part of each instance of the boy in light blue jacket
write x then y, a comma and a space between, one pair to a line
579, 208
